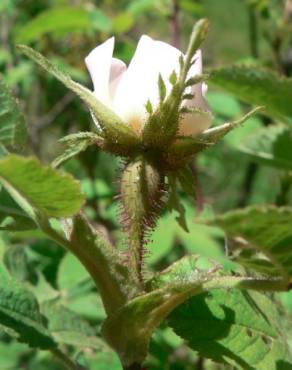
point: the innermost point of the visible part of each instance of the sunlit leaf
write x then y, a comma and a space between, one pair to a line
64, 19
38, 188
13, 134
257, 86
271, 146
233, 327
260, 237
66, 327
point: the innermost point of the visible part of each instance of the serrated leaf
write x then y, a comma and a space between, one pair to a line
261, 238
40, 189
58, 19
129, 330
271, 146
233, 327
20, 312
16, 261
113, 128
12, 217
13, 133
67, 327
257, 86
76, 143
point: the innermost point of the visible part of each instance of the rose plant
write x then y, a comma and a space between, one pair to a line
154, 115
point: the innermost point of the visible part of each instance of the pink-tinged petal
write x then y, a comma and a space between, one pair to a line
118, 68
98, 63
195, 123
140, 82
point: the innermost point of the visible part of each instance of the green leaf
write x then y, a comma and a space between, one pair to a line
16, 261
257, 86
40, 189
106, 360
138, 7
113, 128
100, 21
13, 134
71, 273
89, 306
184, 147
261, 238
123, 22
68, 328
233, 327
129, 330
19, 311
12, 217
76, 143
10, 354
58, 19
271, 146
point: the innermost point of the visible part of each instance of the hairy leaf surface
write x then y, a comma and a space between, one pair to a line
37, 188
13, 134
257, 86
235, 327
261, 238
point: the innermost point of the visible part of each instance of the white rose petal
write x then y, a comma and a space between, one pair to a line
127, 90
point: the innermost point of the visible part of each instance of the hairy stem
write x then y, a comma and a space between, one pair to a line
140, 195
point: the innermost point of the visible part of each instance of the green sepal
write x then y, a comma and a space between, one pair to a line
113, 128
76, 143
185, 147
163, 124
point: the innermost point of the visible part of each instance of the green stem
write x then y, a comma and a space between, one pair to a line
96, 261
70, 365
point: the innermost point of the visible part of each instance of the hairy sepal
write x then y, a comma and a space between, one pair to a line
141, 195
113, 129
163, 124
184, 148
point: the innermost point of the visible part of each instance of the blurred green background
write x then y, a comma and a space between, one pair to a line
242, 31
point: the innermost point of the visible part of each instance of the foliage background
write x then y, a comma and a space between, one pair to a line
248, 32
